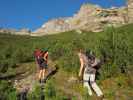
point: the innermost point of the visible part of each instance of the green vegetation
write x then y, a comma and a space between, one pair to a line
7, 92
114, 45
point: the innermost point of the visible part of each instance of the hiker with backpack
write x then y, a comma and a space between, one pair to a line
87, 67
41, 58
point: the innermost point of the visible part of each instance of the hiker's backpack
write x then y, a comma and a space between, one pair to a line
90, 55
38, 54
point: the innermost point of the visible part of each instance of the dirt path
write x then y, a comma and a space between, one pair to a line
29, 80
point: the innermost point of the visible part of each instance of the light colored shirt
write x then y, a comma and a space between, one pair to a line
89, 68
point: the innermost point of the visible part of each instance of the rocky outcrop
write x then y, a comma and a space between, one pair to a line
89, 18
23, 32
54, 26
130, 11
15, 32
7, 31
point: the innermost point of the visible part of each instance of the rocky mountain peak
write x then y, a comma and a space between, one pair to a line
89, 17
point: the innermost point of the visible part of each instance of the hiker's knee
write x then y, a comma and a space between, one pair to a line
85, 82
44, 70
41, 71
92, 82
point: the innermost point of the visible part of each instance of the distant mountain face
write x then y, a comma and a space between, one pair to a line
89, 18
15, 32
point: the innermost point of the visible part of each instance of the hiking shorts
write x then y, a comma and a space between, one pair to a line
43, 65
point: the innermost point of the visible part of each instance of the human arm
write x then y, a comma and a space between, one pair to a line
45, 56
37, 64
96, 62
81, 67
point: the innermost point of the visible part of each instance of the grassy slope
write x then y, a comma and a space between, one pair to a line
19, 49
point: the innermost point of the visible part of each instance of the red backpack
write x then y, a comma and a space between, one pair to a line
38, 53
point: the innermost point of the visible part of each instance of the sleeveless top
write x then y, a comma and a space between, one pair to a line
88, 67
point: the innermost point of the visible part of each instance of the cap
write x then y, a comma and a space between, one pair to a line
45, 49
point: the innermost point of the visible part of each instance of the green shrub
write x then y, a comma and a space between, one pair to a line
6, 91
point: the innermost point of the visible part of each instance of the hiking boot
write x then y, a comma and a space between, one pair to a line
44, 81
100, 97
40, 81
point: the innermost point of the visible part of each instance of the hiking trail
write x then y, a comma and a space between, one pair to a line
27, 81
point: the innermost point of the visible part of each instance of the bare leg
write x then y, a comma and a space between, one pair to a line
43, 73
40, 74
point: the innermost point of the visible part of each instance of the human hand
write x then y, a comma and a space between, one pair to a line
80, 78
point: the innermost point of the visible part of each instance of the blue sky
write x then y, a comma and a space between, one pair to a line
33, 13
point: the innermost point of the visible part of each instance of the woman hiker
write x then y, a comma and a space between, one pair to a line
41, 58
87, 66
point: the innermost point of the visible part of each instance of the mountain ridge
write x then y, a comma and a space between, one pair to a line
89, 17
